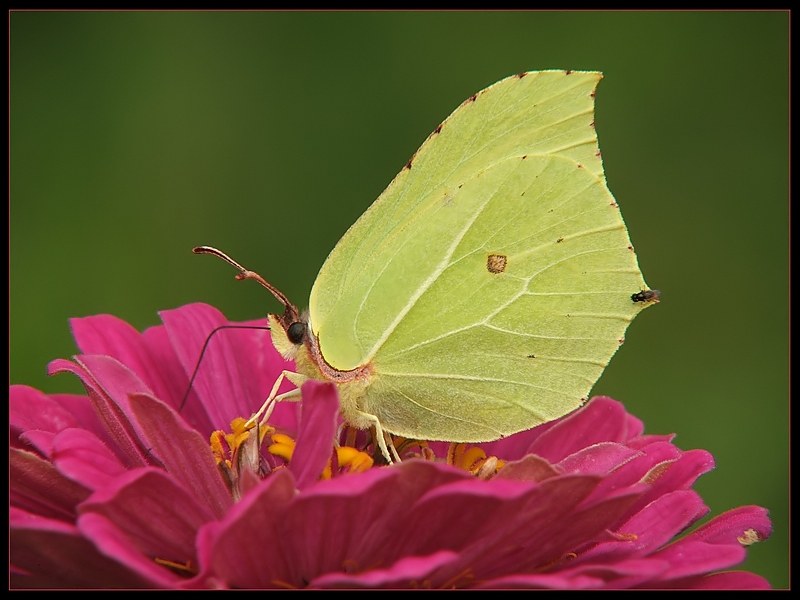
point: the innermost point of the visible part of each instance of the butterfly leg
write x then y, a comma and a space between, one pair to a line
266, 409
366, 420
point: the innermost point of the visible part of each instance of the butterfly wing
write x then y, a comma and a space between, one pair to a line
490, 284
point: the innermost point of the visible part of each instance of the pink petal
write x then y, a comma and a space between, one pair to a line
318, 420
529, 468
108, 383
110, 336
55, 555
83, 458
238, 367
245, 549
28, 408
689, 557
732, 525
598, 459
731, 580
410, 572
601, 420
153, 511
41, 441
173, 388
185, 455
543, 531
37, 487
650, 528
113, 543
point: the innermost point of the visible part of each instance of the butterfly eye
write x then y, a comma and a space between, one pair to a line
296, 332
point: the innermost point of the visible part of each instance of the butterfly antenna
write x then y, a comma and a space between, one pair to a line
203, 351
243, 273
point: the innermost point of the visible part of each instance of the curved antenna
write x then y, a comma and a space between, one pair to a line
290, 313
244, 273
203, 351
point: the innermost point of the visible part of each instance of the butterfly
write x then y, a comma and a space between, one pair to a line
487, 288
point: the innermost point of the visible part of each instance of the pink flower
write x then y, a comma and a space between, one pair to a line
121, 488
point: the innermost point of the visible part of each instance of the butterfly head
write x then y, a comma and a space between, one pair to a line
289, 331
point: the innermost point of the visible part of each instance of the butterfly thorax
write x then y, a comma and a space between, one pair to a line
351, 384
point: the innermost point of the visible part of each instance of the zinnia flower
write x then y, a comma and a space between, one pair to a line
131, 486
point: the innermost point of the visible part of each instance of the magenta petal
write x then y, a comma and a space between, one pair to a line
37, 487
41, 441
245, 550
598, 459
748, 523
185, 455
238, 366
365, 517
412, 571
731, 580
81, 407
651, 528
691, 557
113, 543
601, 420
52, 554
547, 531
107, 335
642, 467
135, 504
623, 574
529, 468
29, 408
553, 581
585, 501
672, 474
108, 383
317, 429
83, 458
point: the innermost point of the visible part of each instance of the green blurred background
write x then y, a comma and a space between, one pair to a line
136, 136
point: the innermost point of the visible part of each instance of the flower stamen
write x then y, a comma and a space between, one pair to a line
182, 568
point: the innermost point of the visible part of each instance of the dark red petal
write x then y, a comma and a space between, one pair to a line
37, 487
113, 543
53, 554
730, 580
185, 455
345, 521
409, 572
159, 517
